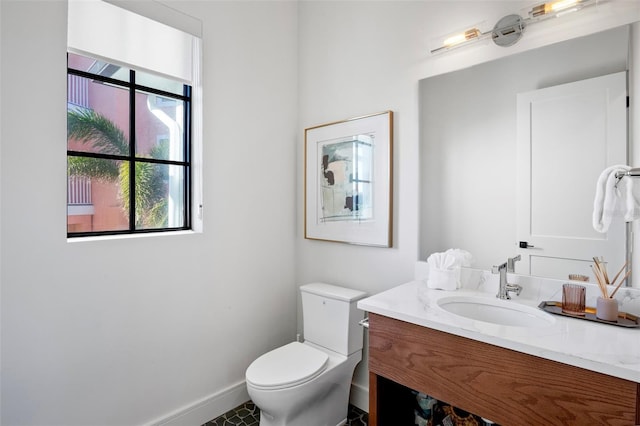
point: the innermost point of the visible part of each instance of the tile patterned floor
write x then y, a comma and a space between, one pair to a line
248, 414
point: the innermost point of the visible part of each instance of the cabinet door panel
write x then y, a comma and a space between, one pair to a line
505, 386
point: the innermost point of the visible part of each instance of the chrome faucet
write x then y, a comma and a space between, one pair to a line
505, 287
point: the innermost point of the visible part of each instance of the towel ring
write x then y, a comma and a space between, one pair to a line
618, 179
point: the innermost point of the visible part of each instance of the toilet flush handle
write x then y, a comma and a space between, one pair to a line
364, 323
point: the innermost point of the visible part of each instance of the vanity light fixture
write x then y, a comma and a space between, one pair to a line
508, 30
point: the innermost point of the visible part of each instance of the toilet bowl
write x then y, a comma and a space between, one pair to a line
308, 384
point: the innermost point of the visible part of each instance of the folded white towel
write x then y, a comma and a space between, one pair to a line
462, 257
614, 198
444, 268
450, 259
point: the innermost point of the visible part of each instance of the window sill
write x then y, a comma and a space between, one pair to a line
131, 236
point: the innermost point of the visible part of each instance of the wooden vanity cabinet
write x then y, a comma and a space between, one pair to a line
505, 386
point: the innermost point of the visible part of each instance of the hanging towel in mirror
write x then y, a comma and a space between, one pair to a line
614, 198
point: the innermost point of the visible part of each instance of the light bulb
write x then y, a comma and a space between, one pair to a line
553, 7
462, 37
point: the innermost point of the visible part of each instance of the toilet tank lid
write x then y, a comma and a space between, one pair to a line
333, 291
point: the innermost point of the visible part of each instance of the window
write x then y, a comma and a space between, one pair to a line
128, 150
134, 146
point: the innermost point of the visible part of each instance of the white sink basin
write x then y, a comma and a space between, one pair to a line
496, 311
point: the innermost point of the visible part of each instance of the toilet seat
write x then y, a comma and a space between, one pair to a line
286, 366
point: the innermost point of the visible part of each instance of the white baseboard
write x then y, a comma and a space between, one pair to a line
359, 397
200, 412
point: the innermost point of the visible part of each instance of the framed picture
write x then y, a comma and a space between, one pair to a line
348, 181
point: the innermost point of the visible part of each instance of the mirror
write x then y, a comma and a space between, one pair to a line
468, 132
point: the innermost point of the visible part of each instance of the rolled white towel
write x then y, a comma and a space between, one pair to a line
444, 268
614, 198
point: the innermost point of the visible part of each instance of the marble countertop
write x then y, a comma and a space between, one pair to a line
603, 348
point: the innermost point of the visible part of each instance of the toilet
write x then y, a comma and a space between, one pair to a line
308, 384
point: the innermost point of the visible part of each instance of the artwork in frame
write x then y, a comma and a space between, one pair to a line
348, 181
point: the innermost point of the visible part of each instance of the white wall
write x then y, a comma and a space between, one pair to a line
127, 331
355, 59
363, 57
82, 342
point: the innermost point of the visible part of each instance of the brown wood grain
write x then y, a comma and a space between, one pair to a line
373, 399
506, 386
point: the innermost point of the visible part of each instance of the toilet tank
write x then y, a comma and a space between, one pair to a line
331, 318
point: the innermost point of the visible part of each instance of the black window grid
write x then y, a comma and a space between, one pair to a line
132, 88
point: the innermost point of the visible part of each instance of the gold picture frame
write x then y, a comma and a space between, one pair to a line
349, 181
